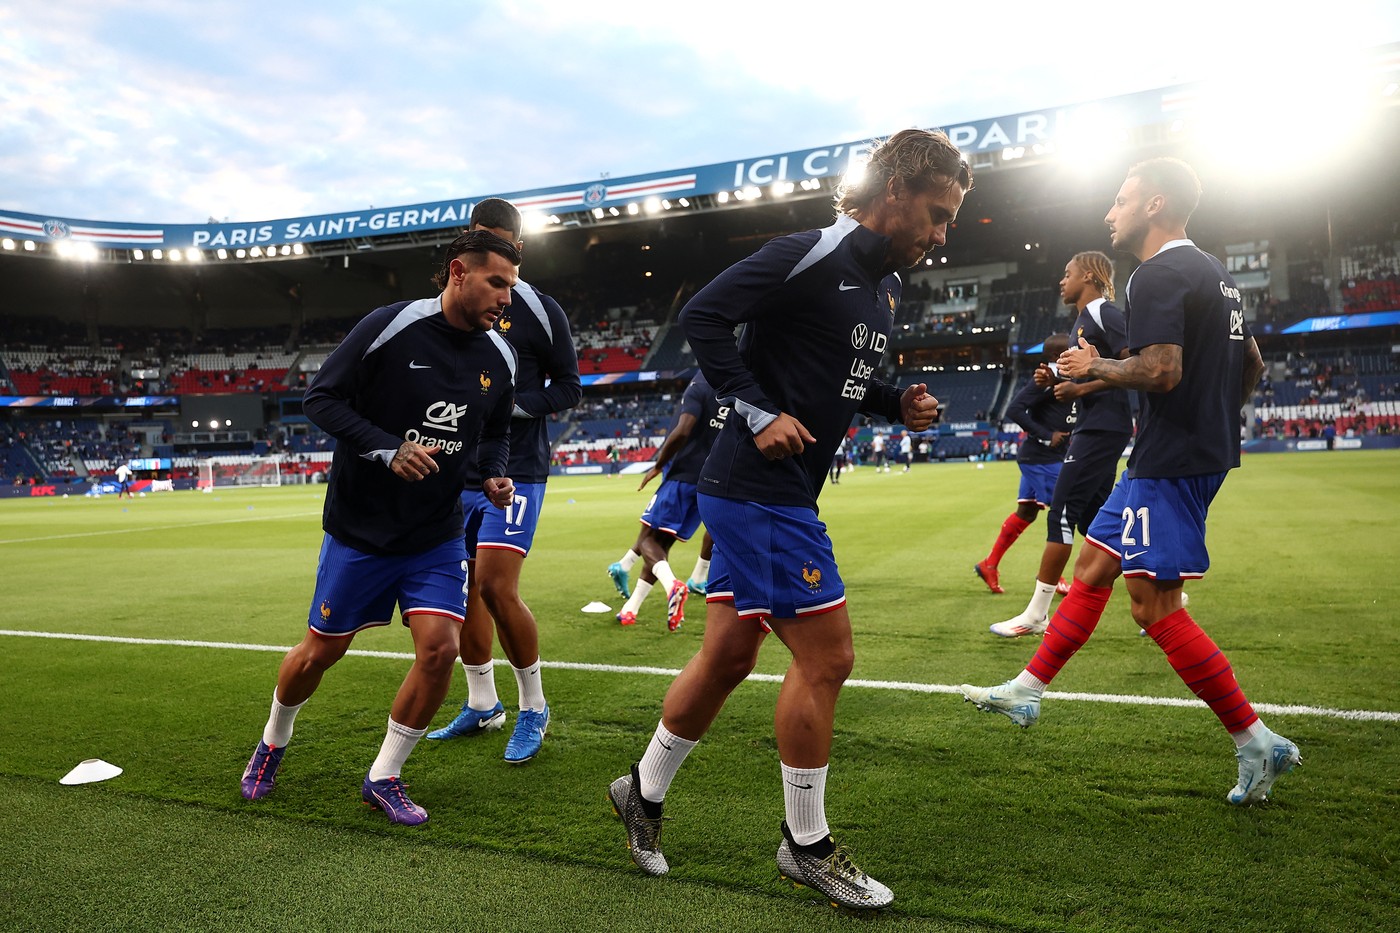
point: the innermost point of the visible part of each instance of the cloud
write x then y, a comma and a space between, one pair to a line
168, 111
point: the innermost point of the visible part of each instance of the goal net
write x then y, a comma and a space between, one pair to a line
244, 471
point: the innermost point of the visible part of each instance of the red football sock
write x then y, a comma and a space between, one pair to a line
1010, 530
1070, 628
1204, 668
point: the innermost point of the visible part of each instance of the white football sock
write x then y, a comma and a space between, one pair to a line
1039, 606
398, 743
701, 573
629, 560
278, 731
481, 685
664, 575
527, 680
804, 797
639, 595
659, 765
1027, 679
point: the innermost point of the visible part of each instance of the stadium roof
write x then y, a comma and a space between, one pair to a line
1080, 130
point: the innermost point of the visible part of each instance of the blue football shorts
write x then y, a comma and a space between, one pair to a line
1157, 527
511, 529
673, 510
355, 590
770, 561
1038, 483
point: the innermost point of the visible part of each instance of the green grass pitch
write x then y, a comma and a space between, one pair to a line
1108, 815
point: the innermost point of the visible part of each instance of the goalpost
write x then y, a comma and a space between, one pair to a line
245, 471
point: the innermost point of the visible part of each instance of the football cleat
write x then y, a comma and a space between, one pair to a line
698, 587
675, 605
472, 722
619, 579
1020, 625
1019, 704
261, 773
1062, 587
989, 575
389, 795
643, 832
834, 875
627, 618
1267, 757
528, 736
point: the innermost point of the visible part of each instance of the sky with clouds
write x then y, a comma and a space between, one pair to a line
173, 111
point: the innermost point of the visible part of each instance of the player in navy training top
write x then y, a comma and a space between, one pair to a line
1103, 425
498, 541
816, 309
407, 394
1195, 363
1046, 420
673, 514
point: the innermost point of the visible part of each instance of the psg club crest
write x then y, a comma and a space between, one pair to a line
594, 195
56, 230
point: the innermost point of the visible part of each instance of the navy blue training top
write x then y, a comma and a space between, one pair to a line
1040, 415
1184, 296
700, 403
404, 373
817, 313
1106, 328
536, 327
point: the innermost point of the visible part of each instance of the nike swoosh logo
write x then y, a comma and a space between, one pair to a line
801, 786
518, 532
669, 748
1133, 556
843, 287
415, 365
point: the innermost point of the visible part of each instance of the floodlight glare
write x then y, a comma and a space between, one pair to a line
255, 252
7, 243
29, 246
298, 249
598, 213
722, 197
241, 254
157, 254
214, 423
532, 221
138, 254
174, 255
633, 209
684, 202
222, 253
653, 205
194, 255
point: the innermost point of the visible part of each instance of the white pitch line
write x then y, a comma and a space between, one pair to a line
1279, 709
127, 531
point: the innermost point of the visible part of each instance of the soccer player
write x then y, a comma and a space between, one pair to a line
906, 450
124, 480
1195, 363
817, 309
672, 514
1103, 425
406, 395
1047, 422
877, 449
498, 541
